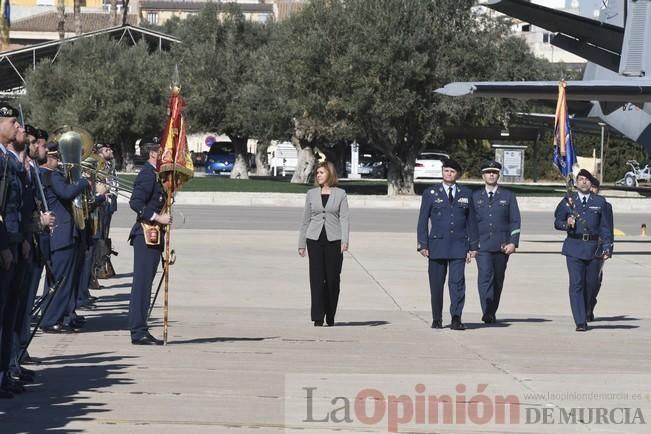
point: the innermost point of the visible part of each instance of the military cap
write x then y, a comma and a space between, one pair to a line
98, 146
7, 111
585, 173
30, 130
53, 148
149, 144
452, 164
41, 134
490, 166
596, 183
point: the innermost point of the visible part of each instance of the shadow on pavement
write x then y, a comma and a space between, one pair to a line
612, 327
54, 400
523, 320
615, 318
361, 323
218, 339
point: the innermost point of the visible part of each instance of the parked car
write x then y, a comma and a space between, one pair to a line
220, 158
368, 165
429, 164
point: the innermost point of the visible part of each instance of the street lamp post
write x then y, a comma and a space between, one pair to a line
601, 158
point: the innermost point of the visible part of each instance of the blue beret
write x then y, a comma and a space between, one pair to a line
7, 111
452, 164
490, 166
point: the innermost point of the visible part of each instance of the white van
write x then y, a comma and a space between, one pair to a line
282, 157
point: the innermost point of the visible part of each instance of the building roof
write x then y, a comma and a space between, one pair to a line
49, 21
13, 64
176, 5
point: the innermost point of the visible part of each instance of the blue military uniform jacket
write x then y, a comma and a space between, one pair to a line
498, 220
147, 198
15, 176
592, 235
59, 196
453, 230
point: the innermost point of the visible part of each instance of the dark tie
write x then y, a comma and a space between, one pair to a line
450, 197
490, 196
583, 200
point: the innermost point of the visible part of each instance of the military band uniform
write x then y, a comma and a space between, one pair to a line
40, 252
582, 248
147, 200
64, 250
12, 282
452, 234
498, 222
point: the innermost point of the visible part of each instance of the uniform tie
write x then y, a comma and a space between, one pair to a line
583, 200
450, 196
490, 196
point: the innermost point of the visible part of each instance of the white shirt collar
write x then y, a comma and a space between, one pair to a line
2, 148
491, 189
582, 195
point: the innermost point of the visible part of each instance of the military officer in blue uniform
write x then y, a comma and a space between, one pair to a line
39, 221
60, 316
609, 209
585, 218
12, 137
498, 221
447, 235
147, 200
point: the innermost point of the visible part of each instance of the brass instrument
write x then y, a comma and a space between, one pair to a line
75, 145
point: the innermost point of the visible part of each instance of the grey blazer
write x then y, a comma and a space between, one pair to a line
334, 216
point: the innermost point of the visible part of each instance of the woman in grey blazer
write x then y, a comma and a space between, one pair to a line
325, 232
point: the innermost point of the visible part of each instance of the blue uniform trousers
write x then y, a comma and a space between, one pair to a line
32, 280
584, 281
491, 267
593, 300
87, 261
63, 266
145, 264
437, 271
12, 292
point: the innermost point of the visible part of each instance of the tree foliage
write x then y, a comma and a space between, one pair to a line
117, 92
367, 71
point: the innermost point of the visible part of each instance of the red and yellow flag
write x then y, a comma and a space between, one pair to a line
175, 162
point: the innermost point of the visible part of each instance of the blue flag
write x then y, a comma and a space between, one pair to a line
564, 152
6, 13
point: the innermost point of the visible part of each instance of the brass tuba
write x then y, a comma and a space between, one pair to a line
75, 145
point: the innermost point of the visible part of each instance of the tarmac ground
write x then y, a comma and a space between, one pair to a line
244, 357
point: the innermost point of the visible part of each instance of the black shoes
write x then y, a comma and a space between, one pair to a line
582, 328
457, 324
330, 322
147, 340
437, 324
56, 328
318, 323
488, 319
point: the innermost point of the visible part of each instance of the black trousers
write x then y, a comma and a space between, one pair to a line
325, 268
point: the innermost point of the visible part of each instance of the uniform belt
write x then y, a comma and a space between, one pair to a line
583, 237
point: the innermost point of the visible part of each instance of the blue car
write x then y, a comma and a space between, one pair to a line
220, 158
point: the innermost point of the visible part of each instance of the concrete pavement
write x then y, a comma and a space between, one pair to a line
242, 351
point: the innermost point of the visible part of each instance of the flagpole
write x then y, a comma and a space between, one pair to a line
168, 205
